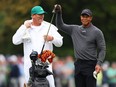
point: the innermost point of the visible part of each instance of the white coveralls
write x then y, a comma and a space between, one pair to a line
35, 42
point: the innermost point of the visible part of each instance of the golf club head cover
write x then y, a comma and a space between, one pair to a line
47, 55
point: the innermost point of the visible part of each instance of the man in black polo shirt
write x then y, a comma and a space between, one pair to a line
89, 46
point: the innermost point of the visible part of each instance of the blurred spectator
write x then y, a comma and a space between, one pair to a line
21, 70
68, 71
14, 72
57, 69
64, 70
3, 71
105, 79
111, 72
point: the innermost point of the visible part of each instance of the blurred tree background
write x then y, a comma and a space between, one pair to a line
14, 12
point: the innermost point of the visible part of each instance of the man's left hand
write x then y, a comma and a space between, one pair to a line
48, 38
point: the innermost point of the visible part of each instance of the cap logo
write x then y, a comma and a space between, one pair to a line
41, 9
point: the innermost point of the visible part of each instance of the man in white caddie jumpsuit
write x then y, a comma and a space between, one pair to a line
32, 34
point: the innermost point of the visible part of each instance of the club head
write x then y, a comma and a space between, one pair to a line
95, 74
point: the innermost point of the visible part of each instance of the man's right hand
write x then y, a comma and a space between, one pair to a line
57, 8
27, 23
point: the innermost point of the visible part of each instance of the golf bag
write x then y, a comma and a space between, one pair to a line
38, 72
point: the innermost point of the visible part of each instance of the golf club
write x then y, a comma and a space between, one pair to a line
47, 34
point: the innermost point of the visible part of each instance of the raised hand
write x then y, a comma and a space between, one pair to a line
27, 23
57, 8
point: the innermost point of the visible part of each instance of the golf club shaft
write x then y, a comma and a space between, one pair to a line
47, 34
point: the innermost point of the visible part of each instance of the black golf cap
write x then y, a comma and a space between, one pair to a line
86, 12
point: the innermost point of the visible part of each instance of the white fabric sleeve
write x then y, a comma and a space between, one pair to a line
17, 37
58, 39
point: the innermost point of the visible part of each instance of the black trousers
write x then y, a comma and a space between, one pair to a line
84, 73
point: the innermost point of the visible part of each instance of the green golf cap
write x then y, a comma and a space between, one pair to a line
37, 10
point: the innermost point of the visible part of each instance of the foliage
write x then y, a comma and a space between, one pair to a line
14, 12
